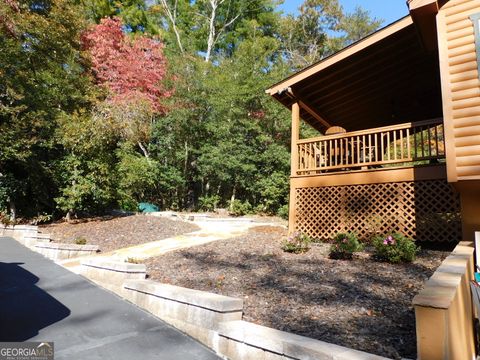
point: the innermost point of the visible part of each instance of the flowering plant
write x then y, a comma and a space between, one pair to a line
297, 243
395, 248
344, 245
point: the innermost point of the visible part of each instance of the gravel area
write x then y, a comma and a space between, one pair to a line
111, 233
361, 304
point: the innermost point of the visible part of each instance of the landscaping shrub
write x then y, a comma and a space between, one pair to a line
297, 243
395, 248
344, 245
283, 212
208, 203
80, 240
239, 208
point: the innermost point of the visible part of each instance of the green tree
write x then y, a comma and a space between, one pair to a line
320, 29
137, 15
41, 79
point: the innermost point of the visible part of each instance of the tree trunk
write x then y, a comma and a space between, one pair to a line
13, 211
172, 16
144, 150
232, 199
211, 32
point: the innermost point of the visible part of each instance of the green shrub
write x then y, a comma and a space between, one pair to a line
297, 243
239, 208
80, 240
208, 203
344, 245
395, 248
283, 212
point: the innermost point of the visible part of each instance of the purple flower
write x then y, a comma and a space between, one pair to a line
385, 242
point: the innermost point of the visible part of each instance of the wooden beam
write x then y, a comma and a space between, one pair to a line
294, 164
308, 108
295, 137
423, 13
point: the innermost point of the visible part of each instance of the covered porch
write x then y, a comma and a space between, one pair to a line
384, 169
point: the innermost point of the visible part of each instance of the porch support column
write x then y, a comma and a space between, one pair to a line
295, 137
294, 164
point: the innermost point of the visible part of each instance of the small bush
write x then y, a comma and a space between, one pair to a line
80, 240
297, 243
41, 219
344, 245
283, 212
208, 203
239, 208
395, 248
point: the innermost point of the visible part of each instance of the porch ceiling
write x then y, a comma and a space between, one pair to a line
385, 79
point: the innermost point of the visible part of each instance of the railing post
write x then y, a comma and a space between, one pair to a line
295, 137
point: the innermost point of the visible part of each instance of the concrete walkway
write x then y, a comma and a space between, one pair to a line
41, 301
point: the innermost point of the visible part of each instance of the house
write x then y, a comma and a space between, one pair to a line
400, 111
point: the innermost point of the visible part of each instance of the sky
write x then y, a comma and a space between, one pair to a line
388, 10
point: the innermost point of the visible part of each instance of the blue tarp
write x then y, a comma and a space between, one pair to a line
147, 207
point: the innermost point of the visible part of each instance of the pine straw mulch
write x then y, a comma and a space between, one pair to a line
112, 233
361, 304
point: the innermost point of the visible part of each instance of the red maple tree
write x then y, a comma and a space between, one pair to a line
130, 67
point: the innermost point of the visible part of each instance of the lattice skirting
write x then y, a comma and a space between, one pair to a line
423, 210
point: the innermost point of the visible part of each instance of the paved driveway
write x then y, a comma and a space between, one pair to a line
41, 301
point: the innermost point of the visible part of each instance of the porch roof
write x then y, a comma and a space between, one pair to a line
384, 79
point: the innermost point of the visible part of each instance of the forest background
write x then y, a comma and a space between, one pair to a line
105, 104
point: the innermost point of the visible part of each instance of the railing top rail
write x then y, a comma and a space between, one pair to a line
373, 130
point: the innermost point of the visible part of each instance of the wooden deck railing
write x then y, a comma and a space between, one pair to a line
404, 144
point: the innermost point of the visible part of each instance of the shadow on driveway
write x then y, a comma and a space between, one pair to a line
25, 308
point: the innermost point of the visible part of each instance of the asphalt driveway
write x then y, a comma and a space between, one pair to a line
41, 301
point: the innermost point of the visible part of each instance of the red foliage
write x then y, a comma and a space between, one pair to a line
130, 68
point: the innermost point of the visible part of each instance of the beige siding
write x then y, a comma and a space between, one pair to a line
460, 88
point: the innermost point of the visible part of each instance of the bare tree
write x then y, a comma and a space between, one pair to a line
171, 13
214, 33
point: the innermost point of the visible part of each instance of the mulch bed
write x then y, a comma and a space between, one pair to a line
361, 304
112, 233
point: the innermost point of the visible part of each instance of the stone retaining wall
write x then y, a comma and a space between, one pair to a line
112, 274
58, 251
19, 232
241, 340
443, 309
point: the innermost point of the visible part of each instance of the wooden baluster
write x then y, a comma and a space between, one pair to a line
415, 152
436, 141
358, 150
370, 148
341, 152
330, 155
352, 149
311, 157
401, 145
395, 144
376, 147
325, 153
388, 146
409, 156
422, 141
429, 143
300, 153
